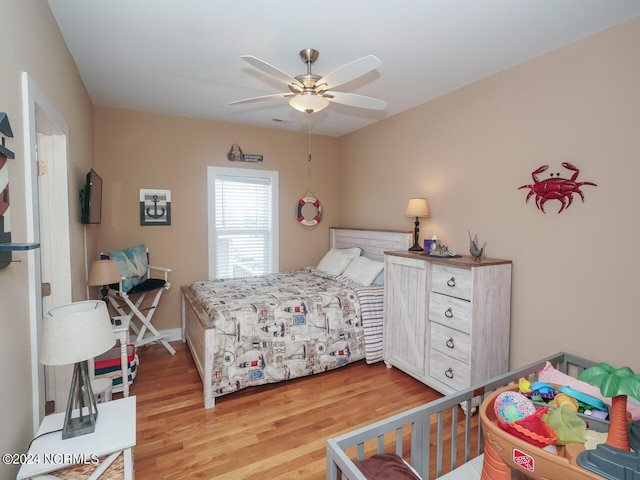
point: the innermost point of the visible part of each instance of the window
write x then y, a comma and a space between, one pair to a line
243, 222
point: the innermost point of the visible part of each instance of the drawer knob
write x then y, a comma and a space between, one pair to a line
448, 313
451, 282
449, 373
449, 343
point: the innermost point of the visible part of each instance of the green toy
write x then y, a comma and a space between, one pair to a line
613, 460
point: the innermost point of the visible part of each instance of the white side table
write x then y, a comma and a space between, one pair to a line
115, 435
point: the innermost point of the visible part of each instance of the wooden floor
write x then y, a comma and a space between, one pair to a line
276, 431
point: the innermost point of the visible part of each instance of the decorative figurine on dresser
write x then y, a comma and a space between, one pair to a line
476, 251
447, 319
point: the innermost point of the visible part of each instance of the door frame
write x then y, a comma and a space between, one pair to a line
42, 121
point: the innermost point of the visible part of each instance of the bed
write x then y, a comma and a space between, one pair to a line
437, 439
258, 330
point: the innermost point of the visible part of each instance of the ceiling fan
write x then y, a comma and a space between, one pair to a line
311, 93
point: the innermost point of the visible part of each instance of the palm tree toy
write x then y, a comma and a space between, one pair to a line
616, 384
613, 460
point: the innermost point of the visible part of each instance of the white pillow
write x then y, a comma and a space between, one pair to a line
337, 259
379, 280
363, 270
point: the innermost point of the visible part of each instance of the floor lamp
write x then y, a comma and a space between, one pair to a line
74, 333
418, 208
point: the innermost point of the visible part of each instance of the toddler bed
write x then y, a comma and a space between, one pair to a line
436, 439
255, 330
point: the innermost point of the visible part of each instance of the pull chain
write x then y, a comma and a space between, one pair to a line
309, 157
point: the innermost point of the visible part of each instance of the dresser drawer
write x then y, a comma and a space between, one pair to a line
452, 281
451, 342
448, 370
450, 311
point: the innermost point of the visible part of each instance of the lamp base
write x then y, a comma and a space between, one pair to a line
77, 426
105, 294
85, 422
416, 233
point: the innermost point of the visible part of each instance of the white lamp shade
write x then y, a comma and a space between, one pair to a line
308, 102
103, 272
417, 207
75, 332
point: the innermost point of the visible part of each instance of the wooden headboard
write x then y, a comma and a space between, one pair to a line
373, 242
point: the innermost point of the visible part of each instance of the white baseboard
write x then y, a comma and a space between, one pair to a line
173, 334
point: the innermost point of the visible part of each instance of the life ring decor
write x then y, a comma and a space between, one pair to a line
309, 221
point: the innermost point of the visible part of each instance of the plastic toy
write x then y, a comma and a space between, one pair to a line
564, 400
524, 386
589, 400
513, 406
504, 452
613, 460
532, 429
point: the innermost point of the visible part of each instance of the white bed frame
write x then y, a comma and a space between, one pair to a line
200, 336
418, 426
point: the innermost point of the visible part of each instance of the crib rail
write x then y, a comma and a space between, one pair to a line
433, 438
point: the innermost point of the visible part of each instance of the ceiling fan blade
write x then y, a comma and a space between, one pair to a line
271, 70
263, 97
354, 100
350, 71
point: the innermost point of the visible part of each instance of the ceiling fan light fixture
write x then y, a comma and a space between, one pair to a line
308, 103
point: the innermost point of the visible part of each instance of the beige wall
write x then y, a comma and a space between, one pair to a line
575, 274
136, 150
30, 41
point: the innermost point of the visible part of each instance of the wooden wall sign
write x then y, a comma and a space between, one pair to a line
236, 155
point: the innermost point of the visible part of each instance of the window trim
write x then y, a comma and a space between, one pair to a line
272, 175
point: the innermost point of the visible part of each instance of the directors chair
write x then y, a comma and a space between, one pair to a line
136, 284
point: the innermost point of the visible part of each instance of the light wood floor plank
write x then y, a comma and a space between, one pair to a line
274, 431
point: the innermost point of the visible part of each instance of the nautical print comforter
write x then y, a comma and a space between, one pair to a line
287, 325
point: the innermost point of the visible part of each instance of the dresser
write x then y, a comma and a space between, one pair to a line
447, 319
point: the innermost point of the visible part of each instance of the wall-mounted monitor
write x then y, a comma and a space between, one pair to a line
91, 199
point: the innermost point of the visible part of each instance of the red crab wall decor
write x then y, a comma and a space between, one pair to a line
555, 188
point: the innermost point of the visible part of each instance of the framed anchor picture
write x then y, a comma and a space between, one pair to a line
155, 207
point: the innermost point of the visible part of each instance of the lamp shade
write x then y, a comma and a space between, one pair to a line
308, 102
75, 332
417, 207
103, 272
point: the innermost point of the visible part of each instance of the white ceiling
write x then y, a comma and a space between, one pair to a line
182, 57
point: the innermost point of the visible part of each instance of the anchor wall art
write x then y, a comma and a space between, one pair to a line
155, 207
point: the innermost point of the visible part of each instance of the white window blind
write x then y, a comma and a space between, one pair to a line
243, 226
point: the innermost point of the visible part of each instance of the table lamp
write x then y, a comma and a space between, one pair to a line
103, 273
74, 333
419, 208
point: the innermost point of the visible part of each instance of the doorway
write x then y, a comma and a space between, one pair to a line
47, 204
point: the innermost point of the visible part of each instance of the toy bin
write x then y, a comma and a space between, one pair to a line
506, 455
